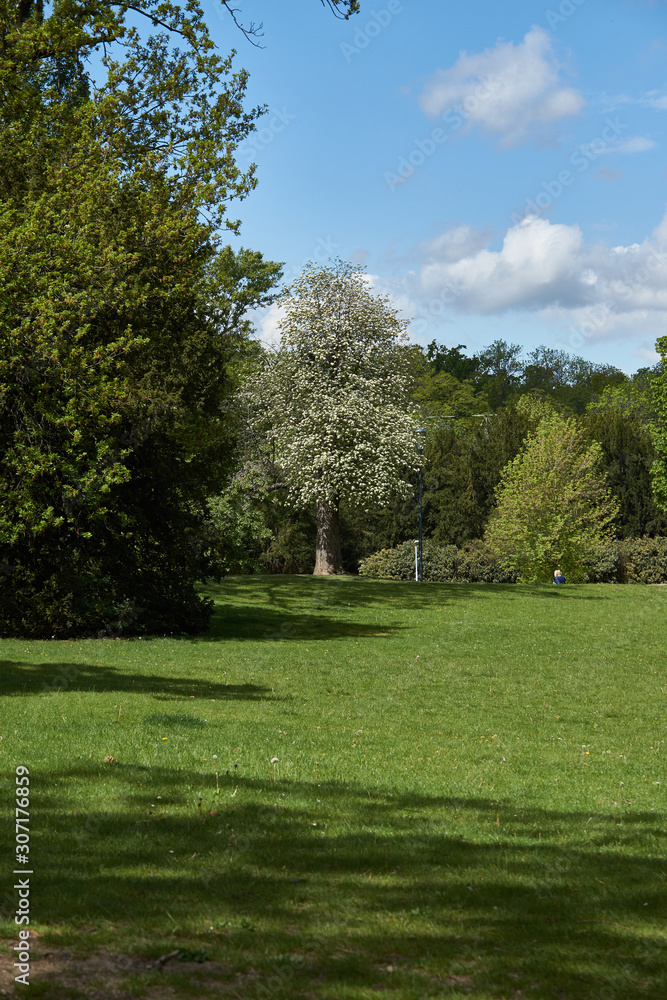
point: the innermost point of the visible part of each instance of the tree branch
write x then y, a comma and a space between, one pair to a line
252, 31
342, 8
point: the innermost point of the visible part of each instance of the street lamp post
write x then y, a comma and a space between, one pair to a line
420, 550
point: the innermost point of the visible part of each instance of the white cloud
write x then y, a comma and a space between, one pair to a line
635, 144
266, 324
647, 353
513, 91
653, 99
457, 243
549, 271
534, 266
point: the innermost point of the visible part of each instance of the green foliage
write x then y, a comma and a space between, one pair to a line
501, 374
291, 548
235, 530
439, 394
633, 397
112, 370
635, 560
603, 563
659, 392
628, 453
536, 405
553, 504
463, 462
473, 563
571, 382
453, 361
464, 455
645, 560
240, 280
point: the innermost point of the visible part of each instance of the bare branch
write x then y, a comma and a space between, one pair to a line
253, 30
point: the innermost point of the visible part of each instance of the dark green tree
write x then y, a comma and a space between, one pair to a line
628, 454
659, 398
115, 360
463, 462
453, 361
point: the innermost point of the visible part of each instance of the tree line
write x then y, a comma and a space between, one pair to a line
478, 411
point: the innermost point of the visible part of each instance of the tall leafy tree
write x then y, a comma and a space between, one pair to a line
553, 503
114, 359
333, 401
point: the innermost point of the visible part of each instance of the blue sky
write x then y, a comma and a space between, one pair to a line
498, 168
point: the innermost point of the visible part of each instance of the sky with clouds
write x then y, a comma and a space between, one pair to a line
499, 169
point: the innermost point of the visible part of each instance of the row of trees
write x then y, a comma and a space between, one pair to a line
468, 445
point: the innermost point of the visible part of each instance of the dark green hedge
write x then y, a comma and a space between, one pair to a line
471, 563
634, 560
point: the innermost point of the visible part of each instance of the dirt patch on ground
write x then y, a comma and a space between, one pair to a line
61, 974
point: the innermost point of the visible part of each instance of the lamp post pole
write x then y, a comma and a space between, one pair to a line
420, 550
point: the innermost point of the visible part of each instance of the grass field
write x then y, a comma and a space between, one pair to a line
348, 789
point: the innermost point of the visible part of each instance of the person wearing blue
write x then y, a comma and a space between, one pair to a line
558, 577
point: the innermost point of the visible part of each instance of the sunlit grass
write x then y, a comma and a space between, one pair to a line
350, 786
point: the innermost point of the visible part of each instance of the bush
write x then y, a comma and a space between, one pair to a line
64, 605
472, 563
604, 564
635, 560
645, 560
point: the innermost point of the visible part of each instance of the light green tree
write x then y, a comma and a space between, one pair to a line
332, 403
553, 505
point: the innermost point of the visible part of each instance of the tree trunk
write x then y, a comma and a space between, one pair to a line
328, 560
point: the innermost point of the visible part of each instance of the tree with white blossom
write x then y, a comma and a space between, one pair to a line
332, 401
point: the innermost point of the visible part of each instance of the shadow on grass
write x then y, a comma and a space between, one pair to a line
259, 623
340, 592
349, 888
290, 607
35, 678
561, 595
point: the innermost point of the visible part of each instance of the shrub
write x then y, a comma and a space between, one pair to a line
472, 563
645, 560
604, 564
635, 560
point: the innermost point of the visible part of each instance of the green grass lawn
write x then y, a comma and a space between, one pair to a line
349, 789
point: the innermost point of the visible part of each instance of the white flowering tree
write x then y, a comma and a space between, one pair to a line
333, 400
